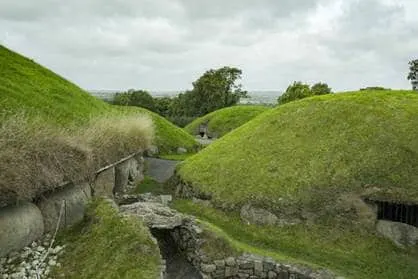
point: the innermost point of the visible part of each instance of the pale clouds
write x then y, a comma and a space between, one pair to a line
166, 44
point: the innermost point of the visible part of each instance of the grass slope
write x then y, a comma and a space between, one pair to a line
108, 246
313, 150
304, 158
25, 85
352, 254
223, 121
29, 87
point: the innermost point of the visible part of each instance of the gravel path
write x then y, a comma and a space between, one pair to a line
160, 170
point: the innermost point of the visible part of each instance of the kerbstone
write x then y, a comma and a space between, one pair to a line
19, 226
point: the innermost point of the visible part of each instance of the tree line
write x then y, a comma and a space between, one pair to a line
220, 88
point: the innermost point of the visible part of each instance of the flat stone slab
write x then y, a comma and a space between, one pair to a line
154, 215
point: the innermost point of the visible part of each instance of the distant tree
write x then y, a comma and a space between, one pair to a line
122, 99
216, 89
142, 98
163, 105
413, 74
295, 91
138, 98
320, 89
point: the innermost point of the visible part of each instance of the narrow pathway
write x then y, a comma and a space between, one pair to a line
160, 170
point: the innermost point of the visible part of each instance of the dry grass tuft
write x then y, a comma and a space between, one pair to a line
112, 138
36, 158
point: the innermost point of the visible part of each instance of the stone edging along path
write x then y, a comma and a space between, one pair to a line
22, 224
188, 236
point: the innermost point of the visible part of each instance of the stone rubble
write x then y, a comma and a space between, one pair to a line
33, 262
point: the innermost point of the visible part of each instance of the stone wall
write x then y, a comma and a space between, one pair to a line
22, 224
188, 239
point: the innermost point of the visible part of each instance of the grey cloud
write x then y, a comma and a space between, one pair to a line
166, 44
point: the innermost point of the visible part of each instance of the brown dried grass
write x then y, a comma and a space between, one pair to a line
36, 158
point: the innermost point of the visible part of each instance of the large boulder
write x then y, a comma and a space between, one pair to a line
104, 183
401, 234
19, 226
72, 199
154, 215
127, 173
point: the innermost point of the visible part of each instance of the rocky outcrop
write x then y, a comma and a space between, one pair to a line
19, 226
401, 234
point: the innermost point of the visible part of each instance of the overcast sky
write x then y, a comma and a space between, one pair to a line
167, 44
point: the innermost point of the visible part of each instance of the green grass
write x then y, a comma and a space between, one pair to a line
356, 255
107, 246
176, 157
149, 185
27, 86
223, 121
304, 155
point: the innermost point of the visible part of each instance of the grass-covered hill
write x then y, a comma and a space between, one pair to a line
311, 151
51, 130
29, 87
314, 160
223, 121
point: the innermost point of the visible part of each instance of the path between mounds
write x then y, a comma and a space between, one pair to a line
160, 170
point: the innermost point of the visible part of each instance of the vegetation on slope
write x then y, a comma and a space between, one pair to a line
108, 246
310, 152
29, 87
37, 157
223, 121
168, 137
25, 85
51, 130
349, 253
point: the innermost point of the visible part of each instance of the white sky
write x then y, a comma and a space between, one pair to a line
167, 44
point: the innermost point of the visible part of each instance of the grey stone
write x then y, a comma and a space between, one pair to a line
231, 271
154, 215
219, 263
181, 150
268, 265
208, 268
152, 151
230, 261
166, 199
283, 275
104, 183
401, 234
127, 173
19, 226
73, 200
258, 267
245, 264
271, 275
258, 216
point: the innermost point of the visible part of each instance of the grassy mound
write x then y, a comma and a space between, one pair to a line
107, 246
25, 85
51, 130
29, 87
306, 155
225, 120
